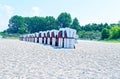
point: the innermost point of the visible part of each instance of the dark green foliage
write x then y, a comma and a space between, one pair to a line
51, 23
64, 20
27, 24
37, 24
75, 24
16, 24
22, 25
92, 31
91, 35
105, 33
115, 32
94, 27
19, 24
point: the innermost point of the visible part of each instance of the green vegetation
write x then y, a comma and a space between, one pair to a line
105, 33
24, 25
111, 40
115, 32
110, 33
9, 36
21, 25
75, 24
89, 35
64, 20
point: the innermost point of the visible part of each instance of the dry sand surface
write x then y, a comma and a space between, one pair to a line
90, 60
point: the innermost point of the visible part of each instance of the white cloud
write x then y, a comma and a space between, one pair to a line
35, 11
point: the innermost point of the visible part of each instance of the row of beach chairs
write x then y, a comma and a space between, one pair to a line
62, 38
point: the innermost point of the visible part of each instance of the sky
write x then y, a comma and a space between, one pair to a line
87, 11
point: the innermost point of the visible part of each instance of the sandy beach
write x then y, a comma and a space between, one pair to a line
89, 60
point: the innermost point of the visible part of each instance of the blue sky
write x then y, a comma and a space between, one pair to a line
87, 11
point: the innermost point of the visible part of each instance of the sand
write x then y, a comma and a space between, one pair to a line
90, 60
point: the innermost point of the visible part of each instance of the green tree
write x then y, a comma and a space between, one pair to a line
16, 24
115, 32
105, 33
91, 35
94, 27
37, 24
51, 23
64, 20
27, 24
75, 24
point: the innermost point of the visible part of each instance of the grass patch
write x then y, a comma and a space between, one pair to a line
111, 40
9, 36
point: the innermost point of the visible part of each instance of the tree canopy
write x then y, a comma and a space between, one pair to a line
22, 25
16, 24
75, 24
64, 20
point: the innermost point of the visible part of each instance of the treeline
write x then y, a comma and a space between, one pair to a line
112, 32
100, 31
91, 31
19, 24
22, 25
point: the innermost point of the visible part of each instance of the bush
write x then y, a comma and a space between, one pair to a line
115, 32
105, 33
90, 35
6, 35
